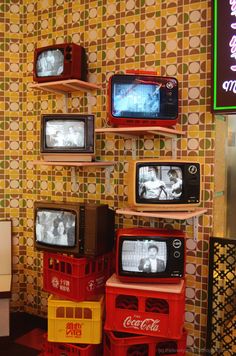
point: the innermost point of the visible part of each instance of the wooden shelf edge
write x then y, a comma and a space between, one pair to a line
65, 86
177, 215
74, 164
156, 130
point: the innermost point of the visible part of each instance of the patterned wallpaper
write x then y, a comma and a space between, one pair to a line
169, 36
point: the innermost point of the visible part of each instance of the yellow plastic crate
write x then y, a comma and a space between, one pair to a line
75, 322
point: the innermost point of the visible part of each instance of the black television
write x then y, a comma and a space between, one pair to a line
164, 184
67, 137
150, 255
142, 100
59, 62
80, 229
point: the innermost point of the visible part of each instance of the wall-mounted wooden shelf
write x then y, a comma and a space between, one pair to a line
96, 164
136, 131
74, 164
65, 86
175, 215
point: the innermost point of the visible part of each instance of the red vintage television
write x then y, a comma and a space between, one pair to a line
60, 62
142, 100
150, 255
64, 227
164, 184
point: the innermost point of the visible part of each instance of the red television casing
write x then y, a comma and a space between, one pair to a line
75, 62
165, 121
175, 240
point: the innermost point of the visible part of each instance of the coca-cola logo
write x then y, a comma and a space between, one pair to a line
147, 324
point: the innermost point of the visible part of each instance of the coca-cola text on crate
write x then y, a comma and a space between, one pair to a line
149, 309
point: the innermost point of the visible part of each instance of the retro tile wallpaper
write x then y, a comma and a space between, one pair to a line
171, 37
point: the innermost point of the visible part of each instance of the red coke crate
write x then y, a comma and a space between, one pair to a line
59, 349
146, 309
124, 344
76, 279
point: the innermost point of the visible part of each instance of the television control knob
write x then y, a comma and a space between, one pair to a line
192, 169
68, 49
177, 243
169, 85
177, 254
68, 57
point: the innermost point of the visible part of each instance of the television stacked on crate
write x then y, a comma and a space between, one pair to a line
145, 297
77, 243
76, 238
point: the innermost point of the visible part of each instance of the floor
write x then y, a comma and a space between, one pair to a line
21, 324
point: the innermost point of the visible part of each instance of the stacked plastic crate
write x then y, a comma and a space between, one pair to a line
76, 303
144, 319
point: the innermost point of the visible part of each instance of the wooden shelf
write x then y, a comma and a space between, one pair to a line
177, 215
135, 131
74, 164
65, 86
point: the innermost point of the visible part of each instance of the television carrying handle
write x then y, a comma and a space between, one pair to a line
141, 72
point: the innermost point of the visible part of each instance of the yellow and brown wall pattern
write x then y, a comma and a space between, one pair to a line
170, 36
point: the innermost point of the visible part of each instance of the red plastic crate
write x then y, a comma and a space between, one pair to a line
59, 349
146, 309
76, 279
123, 344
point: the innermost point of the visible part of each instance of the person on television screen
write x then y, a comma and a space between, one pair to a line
152, 102
58, 139
176, 187
74, 138
49, 235
60, 234
39, 229
152, 263
71, 232
153, 188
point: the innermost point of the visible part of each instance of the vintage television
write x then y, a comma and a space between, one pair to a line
59, 62
142, 100
164, 184
79, 229
150, 255
67, 137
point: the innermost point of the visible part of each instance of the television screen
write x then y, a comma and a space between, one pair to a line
55, 227
163, 182
136, 100
81, 229
143, 256
50, 63
142, 100
61, 133
150, 255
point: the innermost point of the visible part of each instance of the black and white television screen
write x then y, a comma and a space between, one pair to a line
160, 183
143, 256
65, 134
136, 100
55, 227
50, 63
